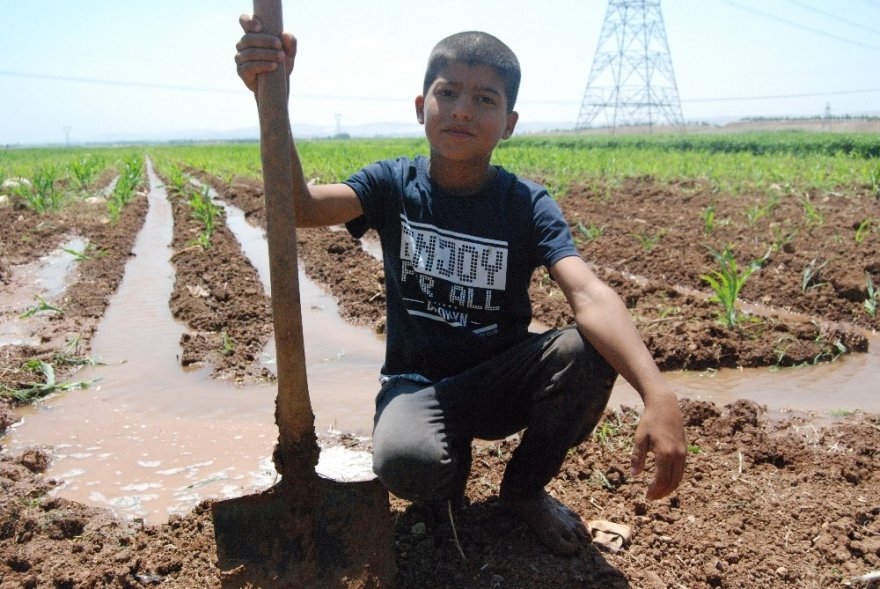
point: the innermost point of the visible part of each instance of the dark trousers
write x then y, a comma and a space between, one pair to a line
554, 385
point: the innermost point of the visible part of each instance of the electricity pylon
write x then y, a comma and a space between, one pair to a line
631, 81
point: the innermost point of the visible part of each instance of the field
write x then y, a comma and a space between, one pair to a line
751, 250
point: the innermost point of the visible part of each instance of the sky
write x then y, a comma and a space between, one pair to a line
113, 70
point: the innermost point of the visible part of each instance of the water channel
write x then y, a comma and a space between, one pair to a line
150, 439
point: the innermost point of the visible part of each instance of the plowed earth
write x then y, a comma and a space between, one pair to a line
765, 503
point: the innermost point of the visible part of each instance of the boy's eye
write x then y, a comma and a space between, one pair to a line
487, 100
445, 92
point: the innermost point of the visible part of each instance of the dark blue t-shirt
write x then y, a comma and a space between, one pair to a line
457, 268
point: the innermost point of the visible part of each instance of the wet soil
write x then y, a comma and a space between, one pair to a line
765, 503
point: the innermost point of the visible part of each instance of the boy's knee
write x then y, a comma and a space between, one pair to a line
413, 470
577, 363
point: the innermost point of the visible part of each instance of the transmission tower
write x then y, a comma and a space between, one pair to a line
631, 81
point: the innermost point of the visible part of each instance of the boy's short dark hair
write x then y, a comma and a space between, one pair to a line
476, 48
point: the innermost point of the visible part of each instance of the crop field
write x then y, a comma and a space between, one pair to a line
731, 252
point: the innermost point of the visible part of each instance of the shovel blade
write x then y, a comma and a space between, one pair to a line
318, 533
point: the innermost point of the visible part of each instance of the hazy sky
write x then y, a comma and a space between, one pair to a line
107, 68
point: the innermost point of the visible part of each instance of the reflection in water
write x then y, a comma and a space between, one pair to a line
151, 439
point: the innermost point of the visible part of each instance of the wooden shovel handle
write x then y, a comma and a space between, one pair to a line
293, 412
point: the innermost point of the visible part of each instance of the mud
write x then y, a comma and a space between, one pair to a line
765, 503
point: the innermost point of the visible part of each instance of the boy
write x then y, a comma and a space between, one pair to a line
460, 240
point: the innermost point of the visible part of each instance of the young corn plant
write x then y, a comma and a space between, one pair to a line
205, 211
129, 179
86, 169
708, 215
727, 281
811, 275
89, 252
177, 179
863, 230
30, 392
782, 236
41, 195
871, 299
592, 232
41, 306
648, 241
814, 217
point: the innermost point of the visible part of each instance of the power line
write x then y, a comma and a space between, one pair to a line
781, 96
118, 83
834, 16
155, 86
799, 26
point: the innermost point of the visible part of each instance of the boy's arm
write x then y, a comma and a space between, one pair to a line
602, 318
314, 206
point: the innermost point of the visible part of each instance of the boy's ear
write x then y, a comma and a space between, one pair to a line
420, 109
512, 118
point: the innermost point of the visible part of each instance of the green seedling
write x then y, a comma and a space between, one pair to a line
81, 256
41, 195
205, 211
708, 215
648, 241
874, 179
41, 306
811, 275
592, 232
129, 179
863, 230
727, 282
782, 236
177, 179
814, 217
694, 449
72, 356
227, 346
754, 214
871, 299
85, 170
31, 392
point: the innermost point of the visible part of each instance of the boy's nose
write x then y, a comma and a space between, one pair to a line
463, 109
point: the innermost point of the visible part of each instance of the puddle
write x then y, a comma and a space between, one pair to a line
848, 384
150, 439
47, 278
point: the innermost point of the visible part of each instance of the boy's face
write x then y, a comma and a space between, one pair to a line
465, 112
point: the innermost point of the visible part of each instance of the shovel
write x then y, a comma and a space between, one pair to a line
306, 531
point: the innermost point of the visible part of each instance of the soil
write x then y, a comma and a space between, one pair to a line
764, 503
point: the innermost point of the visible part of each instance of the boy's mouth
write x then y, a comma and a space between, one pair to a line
458, 131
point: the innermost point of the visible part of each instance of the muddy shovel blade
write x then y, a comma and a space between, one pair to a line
315, 533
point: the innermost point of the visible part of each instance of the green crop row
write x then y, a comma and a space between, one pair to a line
728, 163
43, 178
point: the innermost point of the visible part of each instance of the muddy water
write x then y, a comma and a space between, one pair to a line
149, 439
46, 278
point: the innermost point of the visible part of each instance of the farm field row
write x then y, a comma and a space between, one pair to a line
797, 226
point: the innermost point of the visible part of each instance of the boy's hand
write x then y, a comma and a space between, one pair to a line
661, 431
259, 52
